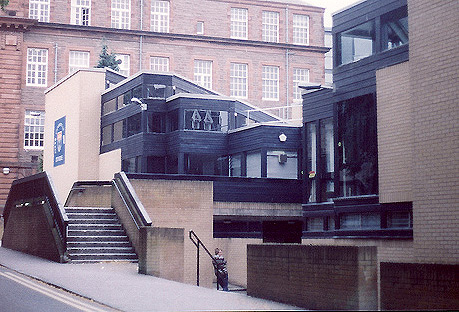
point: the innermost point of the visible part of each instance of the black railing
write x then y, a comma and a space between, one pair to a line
197, 242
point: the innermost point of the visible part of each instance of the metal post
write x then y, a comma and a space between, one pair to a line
197, 268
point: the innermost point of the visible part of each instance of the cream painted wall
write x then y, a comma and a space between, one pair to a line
69, 98
109, 164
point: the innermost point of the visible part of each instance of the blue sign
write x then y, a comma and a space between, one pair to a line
59, 142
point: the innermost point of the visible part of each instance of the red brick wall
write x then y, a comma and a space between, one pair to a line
314, 277
11, 53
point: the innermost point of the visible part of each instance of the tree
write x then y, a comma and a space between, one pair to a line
107, 59
3, 4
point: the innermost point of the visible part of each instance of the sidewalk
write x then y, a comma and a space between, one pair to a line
118, 285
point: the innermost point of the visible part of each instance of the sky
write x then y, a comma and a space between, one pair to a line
331, 6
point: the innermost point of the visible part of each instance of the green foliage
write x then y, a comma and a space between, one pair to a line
3, 4
108, 59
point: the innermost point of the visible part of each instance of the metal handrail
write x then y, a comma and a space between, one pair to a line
120, 193
197, 242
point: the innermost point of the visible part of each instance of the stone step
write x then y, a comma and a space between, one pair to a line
99, 250
96, 233
104, 257
94, 221
99, 244
92, 238
89, 210
94, 226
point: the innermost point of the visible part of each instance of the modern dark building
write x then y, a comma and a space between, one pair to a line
340, 128
186, 129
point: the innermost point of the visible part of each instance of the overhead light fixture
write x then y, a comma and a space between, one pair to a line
309, 86
282, 137
143, 106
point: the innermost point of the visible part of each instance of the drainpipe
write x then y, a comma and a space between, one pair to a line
55, 62
286, 24
287, 79
141, 36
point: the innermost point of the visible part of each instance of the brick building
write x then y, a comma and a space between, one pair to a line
257, 51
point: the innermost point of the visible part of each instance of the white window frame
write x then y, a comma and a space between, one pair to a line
159, 64
77, 60
270, 83
39, 9
299, 75
34, 129
160, 14
239, 80
121, 14
200, 28
125, 66
81, 12
270, 26
239, 23
300, 29
37, 67
203, 73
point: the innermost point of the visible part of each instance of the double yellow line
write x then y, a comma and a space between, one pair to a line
57, 295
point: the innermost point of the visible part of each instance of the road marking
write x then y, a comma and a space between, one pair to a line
52, 293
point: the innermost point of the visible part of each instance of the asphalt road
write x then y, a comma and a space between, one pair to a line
19, 293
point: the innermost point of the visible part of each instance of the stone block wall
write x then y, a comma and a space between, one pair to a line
409, 286
314, 277
161, 252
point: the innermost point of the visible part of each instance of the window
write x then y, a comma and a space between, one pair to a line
121, 14
311, 162
239, 22
300, 29
159, 16
159, 64
200, 164
156, 123
270, 83
37, 67
77, 60
315, 224
206, 120
299, 75
203, 73
270, 26
327, 160
109, 106
356, 43
254, 165
125, 64
107, 135
357, 146
134, 125
81, 12
394, 29
118, 130
34, 129
238, 80
39, 9
282, 164
360, 221
200, 28
235, 165
399, 219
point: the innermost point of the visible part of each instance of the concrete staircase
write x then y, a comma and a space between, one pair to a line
96, 235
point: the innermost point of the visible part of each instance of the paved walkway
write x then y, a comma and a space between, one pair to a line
118, 285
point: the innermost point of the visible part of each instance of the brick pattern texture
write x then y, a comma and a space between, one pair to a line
314, 277
434, 71
406, 286
395, 134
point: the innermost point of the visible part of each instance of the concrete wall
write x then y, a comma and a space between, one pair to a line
395, 134
70, 98
407, 286
187, 205
314, 277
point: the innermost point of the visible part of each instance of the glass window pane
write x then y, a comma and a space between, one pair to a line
254, 165
357, 43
